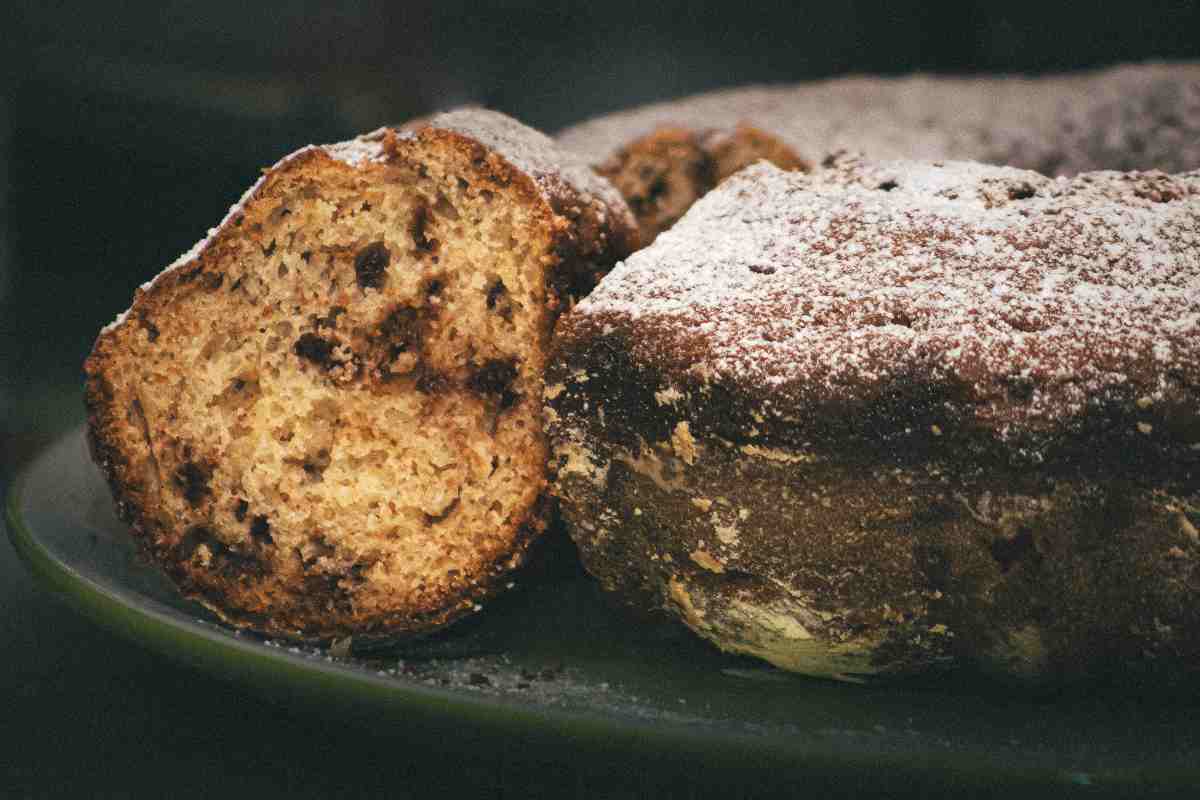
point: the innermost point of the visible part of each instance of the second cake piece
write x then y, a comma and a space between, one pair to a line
894, 417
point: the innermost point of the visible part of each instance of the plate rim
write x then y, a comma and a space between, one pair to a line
247, 662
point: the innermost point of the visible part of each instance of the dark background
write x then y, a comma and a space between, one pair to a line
127, 129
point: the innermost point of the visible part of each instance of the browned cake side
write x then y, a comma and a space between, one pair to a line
889, 418
1131, 117
326, 419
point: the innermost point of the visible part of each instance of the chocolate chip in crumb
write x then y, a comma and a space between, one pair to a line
192, 481
370, 265
421, 218
240, 509
762, 269
260, 530
887, 186
315, 349
495, 378
495, 292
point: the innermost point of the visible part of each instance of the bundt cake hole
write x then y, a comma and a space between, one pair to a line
260, 530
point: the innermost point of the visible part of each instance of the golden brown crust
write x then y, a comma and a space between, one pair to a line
241, 409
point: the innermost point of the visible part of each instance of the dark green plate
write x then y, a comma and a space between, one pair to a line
554, 666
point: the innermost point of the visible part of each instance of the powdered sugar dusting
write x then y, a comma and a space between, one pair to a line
355, 152
535, 154
556, 171
977, 276
1128, 117
369, 147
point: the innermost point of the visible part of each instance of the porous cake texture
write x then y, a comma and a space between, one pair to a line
325, 419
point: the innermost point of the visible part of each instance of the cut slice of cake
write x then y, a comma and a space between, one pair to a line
325, 419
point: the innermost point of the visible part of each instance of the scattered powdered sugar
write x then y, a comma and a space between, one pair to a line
535, 154
361, 149
984, 277
1128, 117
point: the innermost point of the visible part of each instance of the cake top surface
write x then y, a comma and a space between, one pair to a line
1126, 117
830, 286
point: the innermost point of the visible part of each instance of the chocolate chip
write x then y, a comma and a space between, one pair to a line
150, 328
269, 250
370, 265
887, 186
421, 218
192, 480
260, 530
315, 465
315, 349
495, 378
239, 510
495, 292
762, 269
433, 288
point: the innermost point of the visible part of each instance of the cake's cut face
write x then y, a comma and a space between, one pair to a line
894, 417
328, 421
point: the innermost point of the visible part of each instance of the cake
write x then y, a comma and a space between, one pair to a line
666, 155
325, 419
891, 418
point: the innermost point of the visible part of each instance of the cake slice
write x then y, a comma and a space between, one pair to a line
325, 419
895, 417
